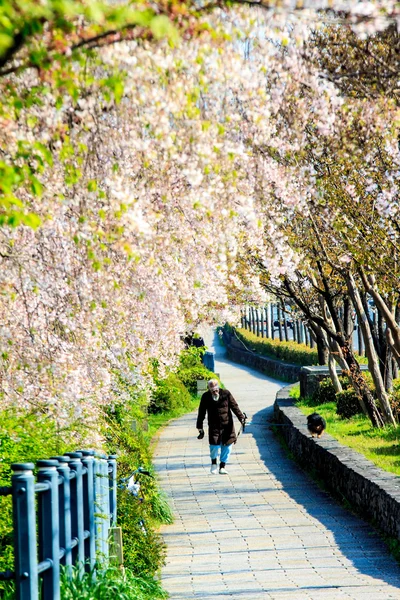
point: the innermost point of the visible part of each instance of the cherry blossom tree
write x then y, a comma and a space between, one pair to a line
139, 174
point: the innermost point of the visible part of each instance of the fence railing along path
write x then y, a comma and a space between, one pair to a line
265, 531
274, 321
60, 518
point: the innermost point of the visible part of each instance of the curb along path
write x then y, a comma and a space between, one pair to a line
265, 530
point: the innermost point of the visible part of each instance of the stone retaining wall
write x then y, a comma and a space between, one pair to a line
374, 492
275, 368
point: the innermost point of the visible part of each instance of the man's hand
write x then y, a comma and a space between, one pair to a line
201, 434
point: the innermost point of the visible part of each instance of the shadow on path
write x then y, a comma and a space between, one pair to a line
356, 539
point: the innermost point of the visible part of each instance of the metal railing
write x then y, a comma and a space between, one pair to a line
61, 519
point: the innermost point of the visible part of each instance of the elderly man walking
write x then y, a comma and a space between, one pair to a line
219, 405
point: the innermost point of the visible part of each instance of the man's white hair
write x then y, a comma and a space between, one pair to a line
213, 382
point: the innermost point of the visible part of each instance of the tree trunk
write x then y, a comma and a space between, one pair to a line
388, 376
373, 363
360, 386
312, 338
364, 395
334, 376
322, 347
298, 332
369, 285
285, 327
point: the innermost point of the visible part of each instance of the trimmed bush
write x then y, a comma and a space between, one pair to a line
348, 404
189, 377
291, 352
170, 393
325, 392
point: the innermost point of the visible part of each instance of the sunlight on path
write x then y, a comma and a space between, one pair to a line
265, 531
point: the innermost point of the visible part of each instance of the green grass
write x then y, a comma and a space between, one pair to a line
381, 446
108, 584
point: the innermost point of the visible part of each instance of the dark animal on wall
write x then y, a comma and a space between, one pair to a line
316, 424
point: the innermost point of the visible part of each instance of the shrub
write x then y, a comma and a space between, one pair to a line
144, 551
348, 404
394, 399
325, 392
24, 438
291, 352
170, 393
190, 376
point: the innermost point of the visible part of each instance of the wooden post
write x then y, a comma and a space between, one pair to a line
257, 322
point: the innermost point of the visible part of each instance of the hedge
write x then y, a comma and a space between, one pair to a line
291, 352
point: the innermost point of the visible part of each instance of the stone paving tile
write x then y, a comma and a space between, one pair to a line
265, 531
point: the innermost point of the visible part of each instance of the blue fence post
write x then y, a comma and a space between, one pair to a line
208, 361
49, 534
24, 518
64, 504
88, 509
112, 482
77, 530
97, 505
105, 500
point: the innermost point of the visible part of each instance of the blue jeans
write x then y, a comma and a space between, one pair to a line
225, 452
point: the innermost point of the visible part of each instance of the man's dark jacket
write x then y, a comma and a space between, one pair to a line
220, 420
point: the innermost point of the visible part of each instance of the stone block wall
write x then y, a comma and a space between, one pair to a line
275, 368
374, 492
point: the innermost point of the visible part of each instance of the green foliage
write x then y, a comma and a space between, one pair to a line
192, 369
394, 399
295, 391
169, 394
110, 584
348, 404
325, 392
125, 435
190, 376
24, 438
191, 358
144, 551
291, 352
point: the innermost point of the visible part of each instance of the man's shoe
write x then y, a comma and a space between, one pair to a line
223, 471
214, 469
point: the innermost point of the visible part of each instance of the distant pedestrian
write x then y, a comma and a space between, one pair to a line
219, 404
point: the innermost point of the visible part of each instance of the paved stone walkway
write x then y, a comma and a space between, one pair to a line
265, 531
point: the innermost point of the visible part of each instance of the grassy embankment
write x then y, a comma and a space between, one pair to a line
381, 446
